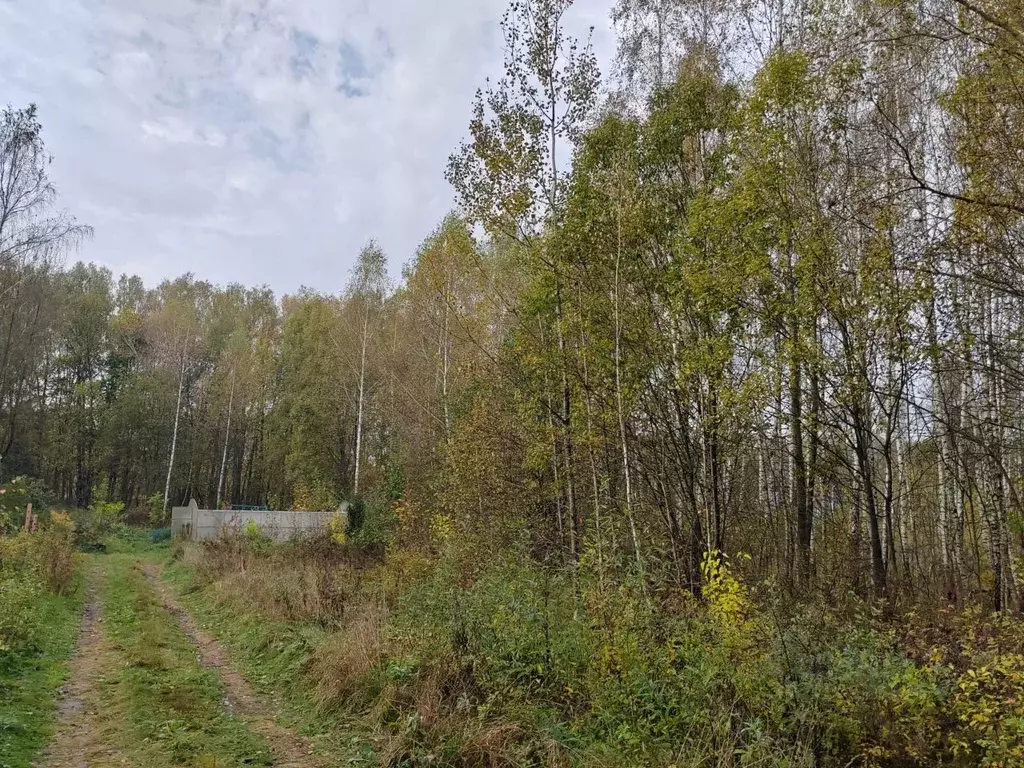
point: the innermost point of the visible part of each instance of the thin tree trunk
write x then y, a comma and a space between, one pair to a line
878, 576
227, 438
362, 395
174, 435
623, 443
803, 518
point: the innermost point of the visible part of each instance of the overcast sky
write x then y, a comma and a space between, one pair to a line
255, 141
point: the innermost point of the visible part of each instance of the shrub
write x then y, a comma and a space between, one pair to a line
16, 495
31, 566
356, 515
54, 555
338, 529
461, 660
256, 541
100, 521
19, 598
155, 507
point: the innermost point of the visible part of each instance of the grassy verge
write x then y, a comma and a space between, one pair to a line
166, 708
29, 681
273, 656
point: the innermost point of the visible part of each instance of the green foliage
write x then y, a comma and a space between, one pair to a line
256, 541
33, 668
39, 599
339, 528
19, 620
356, 515
32, 567
155, 507
16, 495
308, 423
379, 523
100, 521
372, 517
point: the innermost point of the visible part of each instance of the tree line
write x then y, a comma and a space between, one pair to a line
759, 293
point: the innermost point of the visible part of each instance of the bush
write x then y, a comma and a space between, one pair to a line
378, 526
54, 555
155, 507
19, 598
502, 661
32, 566
356, 515
100, 521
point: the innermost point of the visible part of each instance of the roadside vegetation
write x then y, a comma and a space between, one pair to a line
40, 601
451, 661
149, 697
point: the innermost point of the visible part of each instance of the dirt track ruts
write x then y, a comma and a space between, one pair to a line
79, 740
289, 749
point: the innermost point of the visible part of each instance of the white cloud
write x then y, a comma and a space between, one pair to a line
259, 141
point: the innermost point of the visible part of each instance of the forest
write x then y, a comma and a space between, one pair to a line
732, 335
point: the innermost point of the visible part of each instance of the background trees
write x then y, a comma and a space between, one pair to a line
773, 305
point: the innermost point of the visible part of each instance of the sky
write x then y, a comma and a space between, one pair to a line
255, 141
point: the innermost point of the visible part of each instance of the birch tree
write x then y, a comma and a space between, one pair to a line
366, 292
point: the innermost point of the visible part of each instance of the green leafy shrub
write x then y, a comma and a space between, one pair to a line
155, 506
19, 598
356, 515
31, 567
100, 521
257, 542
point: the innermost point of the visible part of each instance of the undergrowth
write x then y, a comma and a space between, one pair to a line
450, 661
40, 598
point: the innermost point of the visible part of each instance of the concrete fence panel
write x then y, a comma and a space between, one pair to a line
195, 524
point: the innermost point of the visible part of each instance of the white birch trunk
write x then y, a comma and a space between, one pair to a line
174, 435
227, 439
362, 396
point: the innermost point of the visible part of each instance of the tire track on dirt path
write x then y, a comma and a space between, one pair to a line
79, 740
289, 749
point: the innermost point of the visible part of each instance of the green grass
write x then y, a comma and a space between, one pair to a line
29, 683
130, 540
272, 655
167, 706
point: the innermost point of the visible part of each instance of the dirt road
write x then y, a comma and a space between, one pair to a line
149, 687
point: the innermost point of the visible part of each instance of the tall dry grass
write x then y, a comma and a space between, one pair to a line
313, 581
53, 551
420, 704
341, 668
